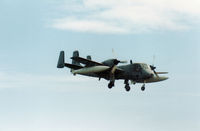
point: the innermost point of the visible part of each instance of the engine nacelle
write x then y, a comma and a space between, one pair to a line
111, 62
88, 70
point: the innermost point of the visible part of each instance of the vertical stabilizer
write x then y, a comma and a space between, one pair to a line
76, 54
61, 60
89, 57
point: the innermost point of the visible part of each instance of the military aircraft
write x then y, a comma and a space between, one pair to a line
108, 69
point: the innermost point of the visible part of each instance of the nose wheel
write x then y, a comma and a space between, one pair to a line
143, 87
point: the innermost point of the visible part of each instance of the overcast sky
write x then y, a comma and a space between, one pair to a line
36, 96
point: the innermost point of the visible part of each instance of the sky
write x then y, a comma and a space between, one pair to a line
36, 96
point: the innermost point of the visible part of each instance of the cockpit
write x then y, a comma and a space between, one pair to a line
144, 66
142, 70
139, 66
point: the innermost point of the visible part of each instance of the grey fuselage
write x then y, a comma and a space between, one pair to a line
136, 72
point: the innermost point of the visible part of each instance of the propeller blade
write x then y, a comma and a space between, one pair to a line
153, 69
155, 73
113, 69
116, 61
113, 54
112, 73
154, 57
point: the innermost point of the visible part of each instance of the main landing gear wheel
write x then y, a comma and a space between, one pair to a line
110, 85
143, 87
127, 87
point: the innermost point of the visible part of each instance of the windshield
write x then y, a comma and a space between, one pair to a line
144, 66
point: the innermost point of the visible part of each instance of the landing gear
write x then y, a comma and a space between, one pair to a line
111, 84
127, 87
143, 87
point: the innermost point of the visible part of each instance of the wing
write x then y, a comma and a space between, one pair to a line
106, 73
118, 70
162, 72
75, 67
87, 62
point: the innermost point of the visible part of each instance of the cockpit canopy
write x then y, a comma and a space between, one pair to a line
139, 66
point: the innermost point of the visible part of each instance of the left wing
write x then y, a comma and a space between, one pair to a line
87, 62
94, 67
162, 72
108, 71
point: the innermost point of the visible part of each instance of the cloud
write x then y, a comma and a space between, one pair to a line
127, 16
87, 26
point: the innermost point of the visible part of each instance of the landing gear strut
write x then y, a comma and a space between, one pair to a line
127, 87
143, 87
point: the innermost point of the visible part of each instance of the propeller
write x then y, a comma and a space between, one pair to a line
153, 67
116, 61
113, 68
113, 64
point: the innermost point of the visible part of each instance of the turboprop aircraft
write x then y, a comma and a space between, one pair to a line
108, 69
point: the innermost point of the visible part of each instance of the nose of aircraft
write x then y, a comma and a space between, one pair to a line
149, 73
162, 78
